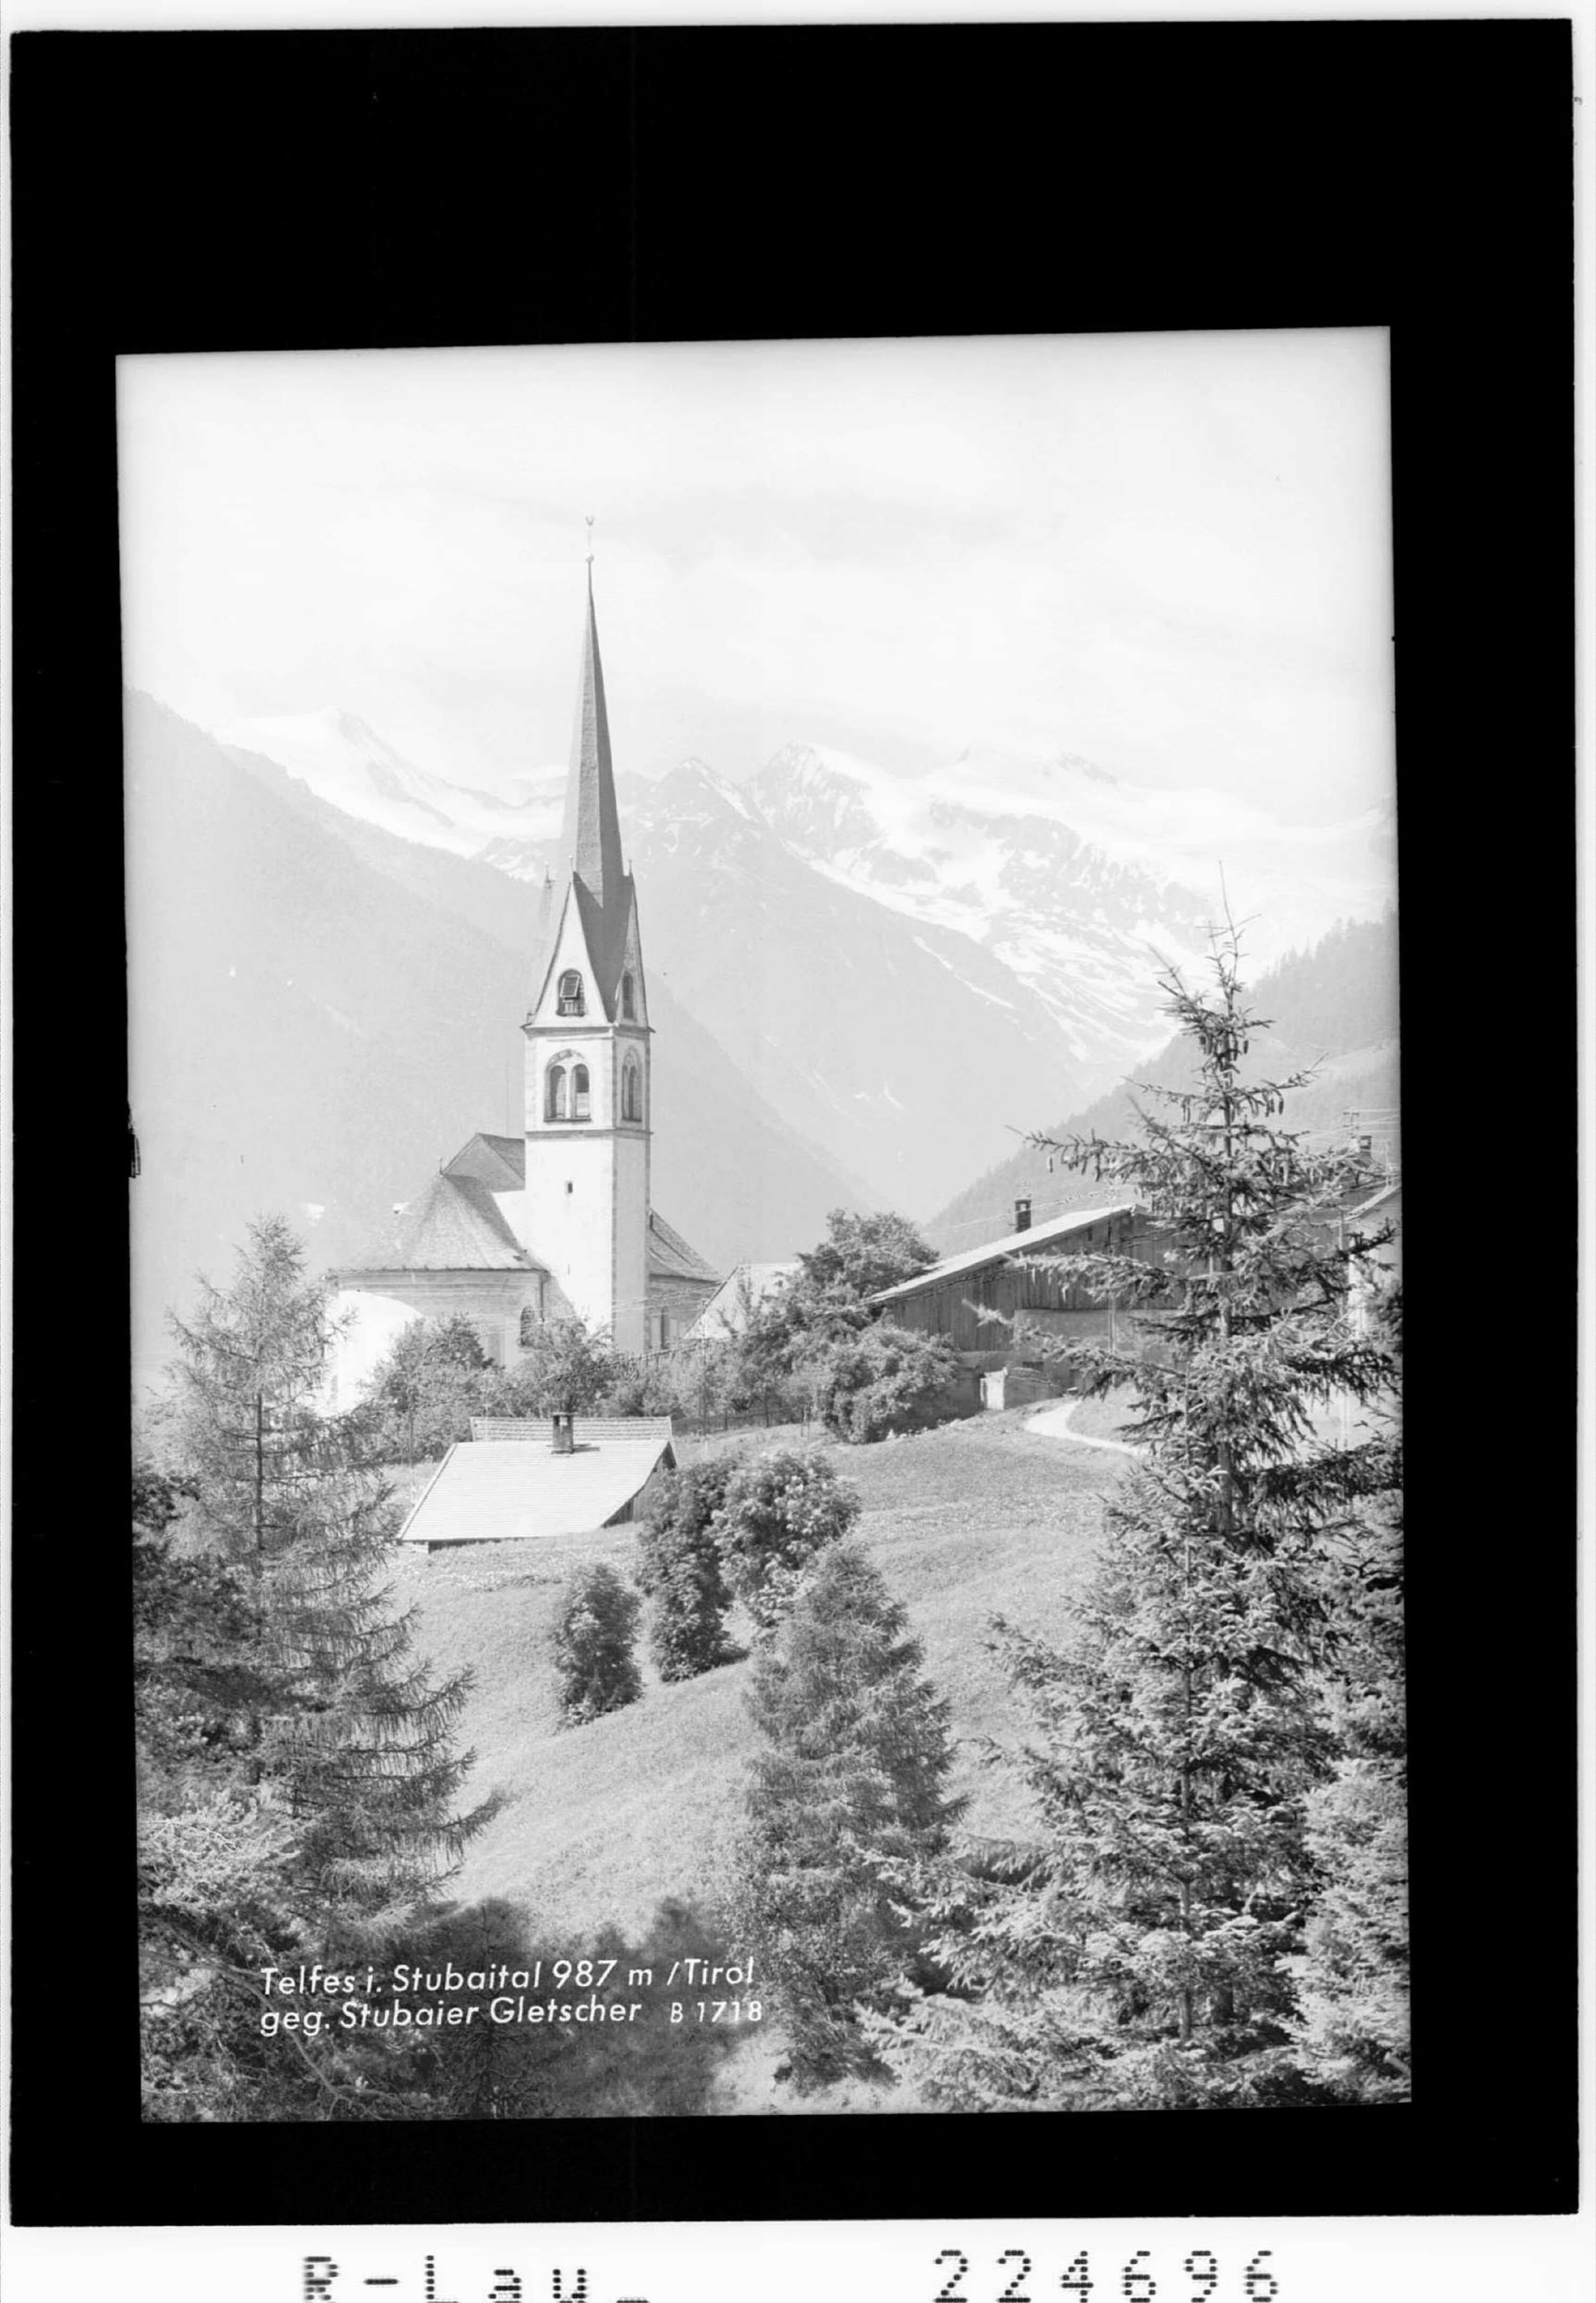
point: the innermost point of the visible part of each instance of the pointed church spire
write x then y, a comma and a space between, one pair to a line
592, 839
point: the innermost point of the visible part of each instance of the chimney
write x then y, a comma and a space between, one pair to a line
1022, 1215
564, 1440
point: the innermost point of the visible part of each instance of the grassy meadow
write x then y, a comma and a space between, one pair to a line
600, 1825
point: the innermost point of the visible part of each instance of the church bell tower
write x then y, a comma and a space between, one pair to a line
589, 1104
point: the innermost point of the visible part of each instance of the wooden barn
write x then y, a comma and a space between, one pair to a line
997, 1303
957, 1298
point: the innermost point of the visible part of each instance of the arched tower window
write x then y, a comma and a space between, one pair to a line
528, 1325
554, 1100
579, 1099
631, 1091
571, 1001
628, 1005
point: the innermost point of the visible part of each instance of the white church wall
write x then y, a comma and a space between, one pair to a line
630, 1244
491, 1301
366, 1328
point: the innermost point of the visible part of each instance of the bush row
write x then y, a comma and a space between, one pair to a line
728, 1529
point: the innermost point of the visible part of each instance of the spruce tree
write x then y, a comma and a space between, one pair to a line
678, 1568
1137, 1950
853, 1776
1350, 2031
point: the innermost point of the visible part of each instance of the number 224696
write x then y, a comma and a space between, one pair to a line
1199, 2271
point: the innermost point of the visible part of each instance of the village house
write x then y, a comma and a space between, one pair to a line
738, 1299
1000, 1303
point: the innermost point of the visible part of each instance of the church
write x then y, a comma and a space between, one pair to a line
556, 1223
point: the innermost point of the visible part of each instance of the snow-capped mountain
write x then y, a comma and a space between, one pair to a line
1061, 927
909, 969
1292, 881
1073, 923
1069, 873
345, 761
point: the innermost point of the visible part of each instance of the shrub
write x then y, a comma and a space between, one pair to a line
779, 1510
424, 1394
564, 1367
880, 1380
679, 1568
636, 1387
827, 1299
593, 1646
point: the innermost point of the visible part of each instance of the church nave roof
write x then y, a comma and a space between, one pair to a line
452, 1225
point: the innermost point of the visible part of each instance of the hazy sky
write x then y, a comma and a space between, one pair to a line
1171, 553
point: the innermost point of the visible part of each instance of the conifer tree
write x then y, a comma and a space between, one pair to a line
680, 1570
1137, 1950
347, 1738
215, 1891
853, 1775
1350, 2029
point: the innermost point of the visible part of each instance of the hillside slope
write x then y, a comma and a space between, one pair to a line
602, 1822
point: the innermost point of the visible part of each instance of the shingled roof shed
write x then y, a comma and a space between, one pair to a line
493, 1489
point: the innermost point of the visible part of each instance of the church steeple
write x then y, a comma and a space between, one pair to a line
592, 837
585, 1207
560, 1224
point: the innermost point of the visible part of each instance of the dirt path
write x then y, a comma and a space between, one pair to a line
1053, 1424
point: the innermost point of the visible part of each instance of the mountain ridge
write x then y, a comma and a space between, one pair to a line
1332, 1010
982, 846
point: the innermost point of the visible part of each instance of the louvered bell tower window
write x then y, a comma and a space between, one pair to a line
566, 1094
571, 1001
628, 1001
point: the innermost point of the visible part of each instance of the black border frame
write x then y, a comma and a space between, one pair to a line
233, 191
